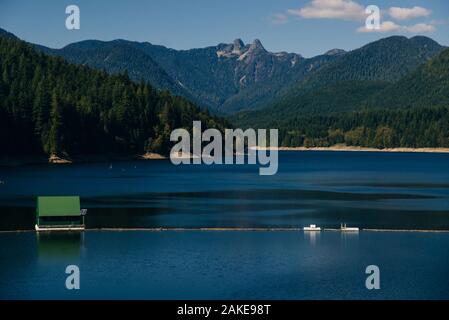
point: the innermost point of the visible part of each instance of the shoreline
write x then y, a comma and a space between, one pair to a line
15, 161
55, 160
358, 149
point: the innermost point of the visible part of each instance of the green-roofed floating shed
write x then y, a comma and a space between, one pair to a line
59, 214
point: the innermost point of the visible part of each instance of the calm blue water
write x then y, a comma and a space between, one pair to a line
369, 190
372, 190
225, 265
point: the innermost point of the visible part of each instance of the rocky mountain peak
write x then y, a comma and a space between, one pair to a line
238, 44
239, 50
256, 45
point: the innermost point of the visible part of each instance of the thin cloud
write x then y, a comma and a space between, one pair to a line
354, 11
330, 9
421, 28
390, 26
386, 26
408, 13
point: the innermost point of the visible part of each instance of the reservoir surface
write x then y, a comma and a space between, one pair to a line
368, 190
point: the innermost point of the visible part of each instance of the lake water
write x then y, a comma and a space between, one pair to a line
368, 190
225, 265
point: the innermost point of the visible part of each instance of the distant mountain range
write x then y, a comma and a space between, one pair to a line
225, 78
346, 83
411, 112
232, 77
228, 78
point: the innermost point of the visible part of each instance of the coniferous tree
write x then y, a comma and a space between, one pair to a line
54, 138
50, 106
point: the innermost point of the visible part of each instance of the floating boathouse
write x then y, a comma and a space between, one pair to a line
59, 214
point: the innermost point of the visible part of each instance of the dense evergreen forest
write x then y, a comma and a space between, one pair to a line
412, 112
412, 128
48, 106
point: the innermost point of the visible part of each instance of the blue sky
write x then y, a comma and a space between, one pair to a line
308, 27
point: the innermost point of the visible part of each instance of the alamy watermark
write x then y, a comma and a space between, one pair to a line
372, 22
72, 282
238, 146
373, 280
73, 22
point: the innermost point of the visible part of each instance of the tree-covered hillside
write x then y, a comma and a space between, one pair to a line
233, 77
387, 59
331, 99
117, 57
345, 83
412, 112
48, 106
225, 78
412, 128
429, 85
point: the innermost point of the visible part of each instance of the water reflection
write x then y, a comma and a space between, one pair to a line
312, 237
349, 239
59, 246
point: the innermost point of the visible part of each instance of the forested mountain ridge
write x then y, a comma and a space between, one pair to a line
412, 112
346, 83
6, 34
427, 86
384, 61
236, 76
49, 106
224, 78
228, 78
118, 56
387, 59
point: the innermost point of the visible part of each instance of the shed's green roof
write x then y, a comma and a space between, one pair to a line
58, 206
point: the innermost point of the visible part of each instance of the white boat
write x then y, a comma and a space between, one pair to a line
312, 227
345, 228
